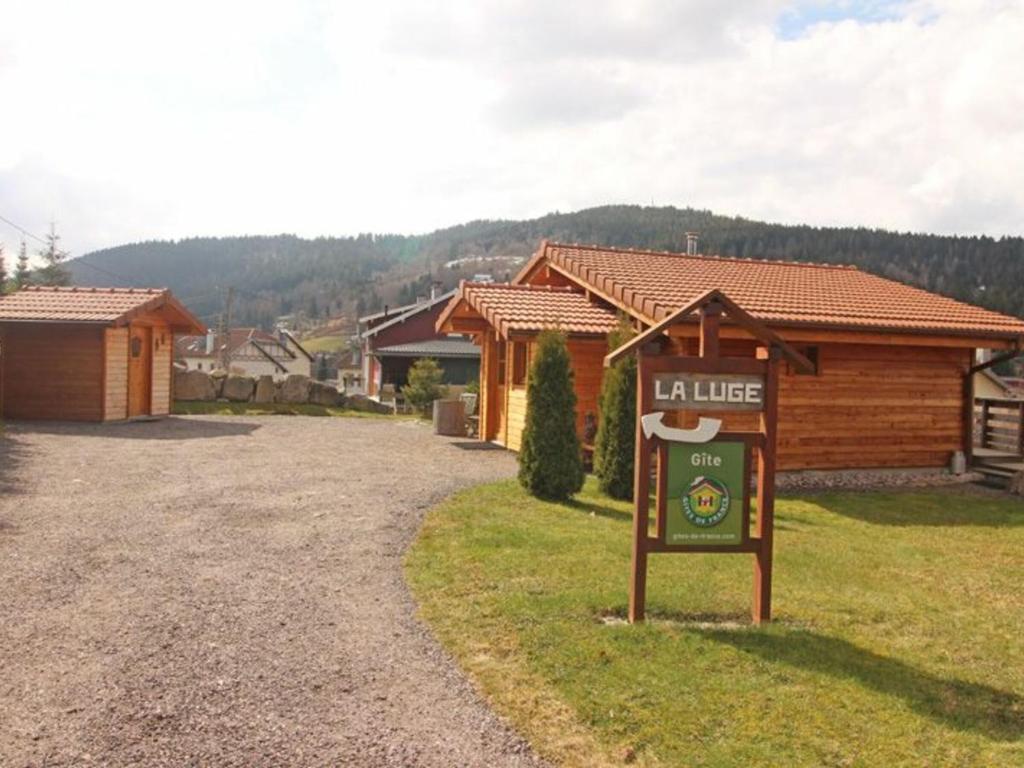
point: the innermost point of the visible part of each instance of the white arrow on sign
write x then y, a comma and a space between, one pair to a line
706, 430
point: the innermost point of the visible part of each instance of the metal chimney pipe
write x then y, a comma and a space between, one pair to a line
691, 243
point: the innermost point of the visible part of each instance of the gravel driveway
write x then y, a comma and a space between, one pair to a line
228, 592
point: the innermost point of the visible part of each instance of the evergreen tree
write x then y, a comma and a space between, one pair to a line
54, 271
615, 446
3, 270
22, 272
550, 464
424, 385
321, 368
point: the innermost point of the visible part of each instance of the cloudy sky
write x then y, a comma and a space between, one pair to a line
137, 120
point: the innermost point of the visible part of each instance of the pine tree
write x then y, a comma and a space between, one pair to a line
54, 271
3, 270
550, 464
615, 446
22, 271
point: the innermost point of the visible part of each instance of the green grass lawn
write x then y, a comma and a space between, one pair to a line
898, 637
327, 344
195, 408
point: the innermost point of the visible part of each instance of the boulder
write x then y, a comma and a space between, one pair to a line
217, 377
265, 390
194, 385
238, 389
323, 394
363, 403
294, 389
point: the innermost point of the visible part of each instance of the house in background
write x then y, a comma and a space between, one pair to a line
249, 351
350, 370
394, 339
893, 383
89, 354
989, 385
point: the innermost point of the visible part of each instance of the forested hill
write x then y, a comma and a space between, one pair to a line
330, 276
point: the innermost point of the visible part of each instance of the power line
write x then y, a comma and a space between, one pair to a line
22, 230
80, 259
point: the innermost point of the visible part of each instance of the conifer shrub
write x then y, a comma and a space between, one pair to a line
615, 445
550, 464
424, 384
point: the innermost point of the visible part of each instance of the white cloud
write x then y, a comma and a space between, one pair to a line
137, 121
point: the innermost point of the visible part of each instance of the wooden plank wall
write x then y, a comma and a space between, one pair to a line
163, 347
515, 417
488, 385
116, 371
874, 406
588, 370
53, 371
587, 362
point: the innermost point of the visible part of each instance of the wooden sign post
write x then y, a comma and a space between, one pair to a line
703, 475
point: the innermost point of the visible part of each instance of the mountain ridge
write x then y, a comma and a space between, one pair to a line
315, 278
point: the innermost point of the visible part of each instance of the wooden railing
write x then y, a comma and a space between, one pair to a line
999, 424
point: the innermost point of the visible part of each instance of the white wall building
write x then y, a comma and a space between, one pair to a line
248, 351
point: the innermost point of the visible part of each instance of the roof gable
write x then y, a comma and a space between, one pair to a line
652, 285
409, 311
531, 308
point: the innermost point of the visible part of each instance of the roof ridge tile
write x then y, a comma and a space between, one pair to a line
702, 256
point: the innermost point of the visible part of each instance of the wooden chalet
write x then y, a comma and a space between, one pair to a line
89, 354
891, 383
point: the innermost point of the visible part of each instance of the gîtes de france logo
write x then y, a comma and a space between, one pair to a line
706, 502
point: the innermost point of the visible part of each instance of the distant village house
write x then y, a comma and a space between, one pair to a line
248, 351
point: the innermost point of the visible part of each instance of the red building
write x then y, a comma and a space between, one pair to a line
394, 339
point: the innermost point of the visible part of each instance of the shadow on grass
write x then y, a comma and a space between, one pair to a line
997, 714
601, 510
935, 508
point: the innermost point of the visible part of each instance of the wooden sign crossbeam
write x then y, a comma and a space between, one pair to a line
706, 384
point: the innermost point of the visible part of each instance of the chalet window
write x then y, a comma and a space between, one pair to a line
502, 354
136, 346
814, 355
519, 355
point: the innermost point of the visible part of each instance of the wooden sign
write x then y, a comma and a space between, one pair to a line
708, 392
704, 474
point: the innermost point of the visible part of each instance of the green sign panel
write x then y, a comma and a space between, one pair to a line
706, 493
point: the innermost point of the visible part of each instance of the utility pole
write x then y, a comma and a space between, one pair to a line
225, 329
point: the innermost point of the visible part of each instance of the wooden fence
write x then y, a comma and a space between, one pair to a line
999, 425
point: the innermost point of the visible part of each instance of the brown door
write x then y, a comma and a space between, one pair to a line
140, 370
501, 400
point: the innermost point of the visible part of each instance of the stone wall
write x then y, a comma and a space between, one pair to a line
236, 388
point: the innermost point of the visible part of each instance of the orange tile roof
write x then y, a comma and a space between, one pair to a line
90, 305
654, 284
532, 308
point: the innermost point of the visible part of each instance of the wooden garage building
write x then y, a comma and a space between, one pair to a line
89, 354
892, 385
